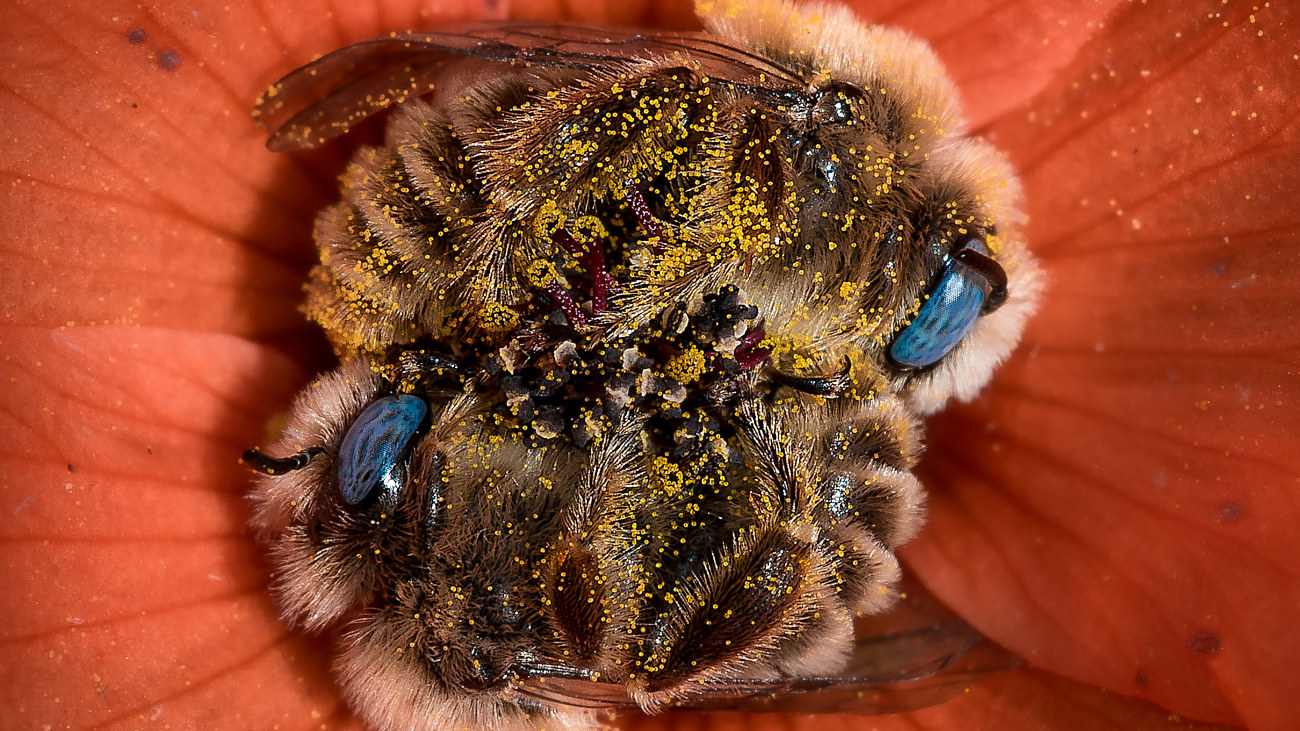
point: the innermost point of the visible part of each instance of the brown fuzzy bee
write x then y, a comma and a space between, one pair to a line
636, 329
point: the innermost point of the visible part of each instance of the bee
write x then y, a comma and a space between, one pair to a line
636, 334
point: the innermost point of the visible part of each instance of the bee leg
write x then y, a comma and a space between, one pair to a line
768, 594
772, 590
268, 465
413, 365
585, 579
832, 386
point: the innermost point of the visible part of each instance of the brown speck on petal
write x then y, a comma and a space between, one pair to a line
169, 60
1203, 643
1229, 512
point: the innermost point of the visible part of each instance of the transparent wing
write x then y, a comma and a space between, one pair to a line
323, 99
893, 673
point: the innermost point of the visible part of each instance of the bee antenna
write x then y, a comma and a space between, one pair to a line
992, 272
269, 465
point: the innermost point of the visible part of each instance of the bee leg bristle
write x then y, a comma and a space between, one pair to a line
269, 465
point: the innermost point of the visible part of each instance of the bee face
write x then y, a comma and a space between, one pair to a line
636, 333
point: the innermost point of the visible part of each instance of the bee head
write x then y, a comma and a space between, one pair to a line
339, 515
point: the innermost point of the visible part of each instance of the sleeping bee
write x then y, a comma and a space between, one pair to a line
636, 333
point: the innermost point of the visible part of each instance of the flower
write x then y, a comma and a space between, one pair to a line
1118, 508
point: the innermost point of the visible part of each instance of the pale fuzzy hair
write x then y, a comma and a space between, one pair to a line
391, 689
833, 40
964, 372
316, 419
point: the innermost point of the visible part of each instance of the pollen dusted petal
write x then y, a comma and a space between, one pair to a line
1129, 477
158, 178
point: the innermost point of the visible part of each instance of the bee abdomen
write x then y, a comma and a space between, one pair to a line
586, 140
727, 620
577, 600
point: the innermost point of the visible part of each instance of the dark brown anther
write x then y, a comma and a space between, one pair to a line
992, 272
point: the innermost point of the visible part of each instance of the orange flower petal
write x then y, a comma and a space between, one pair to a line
1120, 507
1024, 700
148, 238
999, 53
150, 242
133, 589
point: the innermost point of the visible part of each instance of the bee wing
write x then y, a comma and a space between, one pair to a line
890, 674
572, 692
323, 99
904, 671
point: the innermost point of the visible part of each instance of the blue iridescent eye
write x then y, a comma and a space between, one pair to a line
374, 450
973, 285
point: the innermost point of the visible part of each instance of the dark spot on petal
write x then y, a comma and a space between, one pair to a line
1203, 643
149, 450
1229, 512
134, 105
1220, 267
1141, 678
71, 468
169, 60
137, 35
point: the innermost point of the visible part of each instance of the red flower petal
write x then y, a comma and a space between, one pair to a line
1025, 700
150, 241
1120, 507
999, 53
148, 238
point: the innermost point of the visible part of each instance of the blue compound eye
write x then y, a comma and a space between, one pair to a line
374, 450
973, 285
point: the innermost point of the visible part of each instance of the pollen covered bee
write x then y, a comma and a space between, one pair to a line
636, 333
